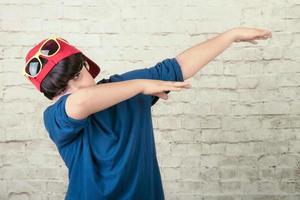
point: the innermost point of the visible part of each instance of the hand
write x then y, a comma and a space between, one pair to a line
243, 34
157, 87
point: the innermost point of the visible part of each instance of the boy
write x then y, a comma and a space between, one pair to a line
103, 131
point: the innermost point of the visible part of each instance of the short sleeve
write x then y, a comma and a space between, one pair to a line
166, 70
62, 129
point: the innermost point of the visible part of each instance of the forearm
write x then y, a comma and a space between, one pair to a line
101, 96
193, 59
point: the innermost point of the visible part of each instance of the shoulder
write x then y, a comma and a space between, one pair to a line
57, 111
112, 78
56, 104
59, 125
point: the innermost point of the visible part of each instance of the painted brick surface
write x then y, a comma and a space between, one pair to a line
235, 135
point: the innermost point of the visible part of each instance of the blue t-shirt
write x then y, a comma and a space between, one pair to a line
111, 153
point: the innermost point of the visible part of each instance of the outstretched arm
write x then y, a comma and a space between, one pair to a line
193, 59
91, 99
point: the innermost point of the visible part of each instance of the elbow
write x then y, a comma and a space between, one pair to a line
182, 67
76, 107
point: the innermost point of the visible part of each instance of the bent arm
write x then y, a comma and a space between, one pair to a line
89, 100
193, 59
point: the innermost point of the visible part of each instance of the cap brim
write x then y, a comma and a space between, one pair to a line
94, 68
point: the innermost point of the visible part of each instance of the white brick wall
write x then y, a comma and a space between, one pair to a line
233, 136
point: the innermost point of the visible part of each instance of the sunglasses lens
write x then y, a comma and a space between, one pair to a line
49, 48
33, 67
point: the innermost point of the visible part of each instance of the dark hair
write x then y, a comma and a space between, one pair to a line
58, 78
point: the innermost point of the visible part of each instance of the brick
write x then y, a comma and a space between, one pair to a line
295, 108
227, 82
179, 149
184, 136
238, 149
248, 187
289, 79
213, 68
230, 186
238, 68
207, 81
191, 161
228, 174
169, 122
240, 124
169, 173
221, 108
289, 186
276, 108
271, 147
194, 149
267, 186
171, 161
247, 82
294, 146
268, 82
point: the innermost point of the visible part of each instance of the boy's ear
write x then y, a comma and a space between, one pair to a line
87, 65
55, 98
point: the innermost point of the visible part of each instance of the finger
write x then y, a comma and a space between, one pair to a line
267, 36
179, 88
183, 86
261, 37
178, 83
161, 95
252, 41
266, 33
170, 88
186, 86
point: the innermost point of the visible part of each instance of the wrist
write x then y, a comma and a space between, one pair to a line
139, 84
231, 34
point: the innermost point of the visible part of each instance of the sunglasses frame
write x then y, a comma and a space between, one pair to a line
39, 53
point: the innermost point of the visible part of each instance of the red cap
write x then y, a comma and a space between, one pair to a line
64, 51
